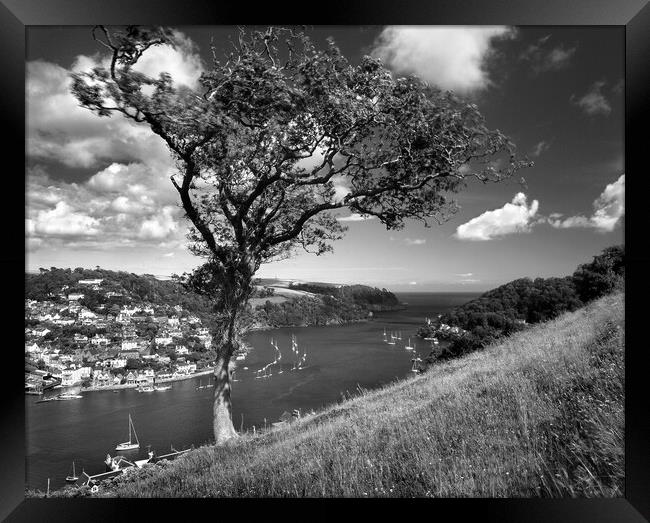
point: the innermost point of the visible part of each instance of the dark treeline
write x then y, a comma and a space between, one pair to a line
513, 306
370, 298
127, 287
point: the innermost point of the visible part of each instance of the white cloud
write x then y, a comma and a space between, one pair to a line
59, 129
515, 217
62, 221
159, 226
465, 274
130, 202
168, 255
413, 283
544, 57
539, 148
182, 62
594, 102
609, 209
354, 217
452, 58
415, 241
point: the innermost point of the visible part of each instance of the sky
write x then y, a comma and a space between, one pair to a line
99, 194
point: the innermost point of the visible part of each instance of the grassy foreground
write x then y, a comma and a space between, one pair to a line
539, 414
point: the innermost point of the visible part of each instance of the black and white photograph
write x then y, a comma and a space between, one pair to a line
325, 261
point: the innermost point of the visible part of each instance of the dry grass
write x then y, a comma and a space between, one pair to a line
539, 414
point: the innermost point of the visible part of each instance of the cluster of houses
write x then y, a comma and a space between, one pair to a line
101, 359
140, 378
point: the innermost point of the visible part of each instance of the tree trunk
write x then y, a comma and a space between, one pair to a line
237, 289
222, 409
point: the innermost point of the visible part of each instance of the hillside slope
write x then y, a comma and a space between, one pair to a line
539, 414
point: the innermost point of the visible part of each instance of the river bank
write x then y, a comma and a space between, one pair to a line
134, 386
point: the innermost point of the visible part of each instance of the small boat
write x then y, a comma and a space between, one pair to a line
200, 386
409, 346
162, 387
72, 477
414, 367
245, 368
116, 391
129, 445
68, 396
146, 388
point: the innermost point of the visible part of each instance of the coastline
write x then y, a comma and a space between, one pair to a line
134, 386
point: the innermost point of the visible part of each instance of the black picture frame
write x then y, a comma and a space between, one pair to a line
634, 15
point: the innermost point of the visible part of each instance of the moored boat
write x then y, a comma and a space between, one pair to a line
72, 477
129, 445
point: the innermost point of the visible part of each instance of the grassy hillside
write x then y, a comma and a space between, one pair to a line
539, 414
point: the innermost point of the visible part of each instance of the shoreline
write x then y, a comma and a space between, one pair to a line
158, 381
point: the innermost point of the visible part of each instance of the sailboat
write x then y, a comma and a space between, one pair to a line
414, 367
392, 339
385, 339
73, 477
129, 445
200, 385
409, 347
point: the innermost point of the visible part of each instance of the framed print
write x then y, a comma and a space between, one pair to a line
377, 252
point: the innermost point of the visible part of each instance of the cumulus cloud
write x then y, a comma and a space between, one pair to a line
544, 56
131, 202
514, 217
594, 101
105, 212
60, 130
609, 209
452, 58
415, 241
63, 220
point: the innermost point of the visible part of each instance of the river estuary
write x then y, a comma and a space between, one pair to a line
338, 359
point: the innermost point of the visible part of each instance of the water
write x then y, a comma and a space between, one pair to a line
339, 359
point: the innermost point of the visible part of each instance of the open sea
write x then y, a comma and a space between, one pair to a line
339, 359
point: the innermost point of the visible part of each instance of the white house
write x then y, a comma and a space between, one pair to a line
181, 349
99, 340
75, 296
130, 344
94, 282
163, 340
116, 363
72, 376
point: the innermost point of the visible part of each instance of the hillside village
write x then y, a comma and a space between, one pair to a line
101, 329
131, 344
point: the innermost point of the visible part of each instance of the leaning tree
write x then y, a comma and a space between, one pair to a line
281, 135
